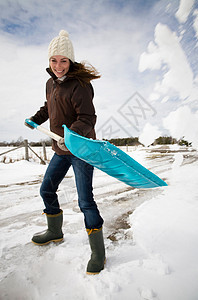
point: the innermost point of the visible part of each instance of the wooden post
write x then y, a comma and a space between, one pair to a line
42, 161
44, 151
26, 150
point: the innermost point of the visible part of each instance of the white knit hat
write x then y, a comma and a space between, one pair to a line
61, 45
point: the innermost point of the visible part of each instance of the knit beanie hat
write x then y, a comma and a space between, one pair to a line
61, 45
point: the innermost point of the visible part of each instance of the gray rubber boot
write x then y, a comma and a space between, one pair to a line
97, 261
53, 233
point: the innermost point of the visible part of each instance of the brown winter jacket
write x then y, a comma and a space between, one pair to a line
69, 103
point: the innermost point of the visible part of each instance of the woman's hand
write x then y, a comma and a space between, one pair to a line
61, 144
28, 125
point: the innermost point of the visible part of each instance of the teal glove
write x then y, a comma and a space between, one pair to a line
28, 125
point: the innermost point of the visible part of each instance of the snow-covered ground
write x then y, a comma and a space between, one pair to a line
151, 236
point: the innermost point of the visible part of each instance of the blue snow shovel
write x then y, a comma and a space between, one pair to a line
106, 157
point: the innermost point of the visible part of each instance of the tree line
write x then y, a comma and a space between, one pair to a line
20, 141
130, 141
162, 140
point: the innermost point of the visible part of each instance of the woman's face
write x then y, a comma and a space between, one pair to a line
59, 65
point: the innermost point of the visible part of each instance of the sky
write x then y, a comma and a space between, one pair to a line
146, 52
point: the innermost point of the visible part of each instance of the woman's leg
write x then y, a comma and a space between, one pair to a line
93, 221
55, 173
83, 176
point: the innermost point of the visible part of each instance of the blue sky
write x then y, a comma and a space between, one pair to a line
36, 21
112, 35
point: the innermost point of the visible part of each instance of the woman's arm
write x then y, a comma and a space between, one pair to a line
41, 115
82, 101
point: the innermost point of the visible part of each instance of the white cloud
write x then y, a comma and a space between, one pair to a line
151, 59
165, 99
172, 58
184, 10
183, 123
167, 54
149, 134
22, 85
195, 23
154, 97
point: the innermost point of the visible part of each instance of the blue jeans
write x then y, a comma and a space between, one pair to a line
56, 171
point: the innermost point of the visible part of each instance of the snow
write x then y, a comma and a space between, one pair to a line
174, 122
151, 236
149, 134
24, 170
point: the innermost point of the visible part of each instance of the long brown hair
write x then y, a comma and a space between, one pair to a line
83, 71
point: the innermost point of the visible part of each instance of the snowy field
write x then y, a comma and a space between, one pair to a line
151, 236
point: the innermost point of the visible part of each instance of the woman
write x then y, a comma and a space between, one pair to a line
69, 95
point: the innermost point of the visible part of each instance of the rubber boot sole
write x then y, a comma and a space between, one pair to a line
96, 273
43, 244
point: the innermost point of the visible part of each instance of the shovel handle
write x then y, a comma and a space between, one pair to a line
51, 134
